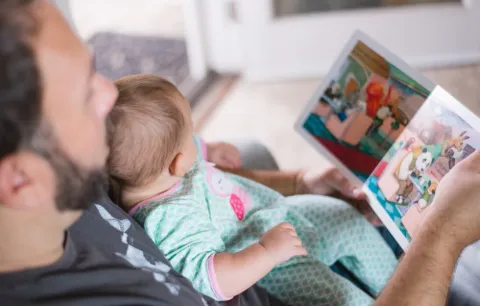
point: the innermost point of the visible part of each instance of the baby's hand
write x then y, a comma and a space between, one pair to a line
224, 155
282, 243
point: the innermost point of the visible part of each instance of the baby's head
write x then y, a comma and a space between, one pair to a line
150, 134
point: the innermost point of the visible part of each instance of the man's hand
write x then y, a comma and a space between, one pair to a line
326, 183
282, 243
451, 223
333, 183
224, 155
455, 212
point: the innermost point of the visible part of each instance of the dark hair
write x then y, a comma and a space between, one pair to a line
20, 89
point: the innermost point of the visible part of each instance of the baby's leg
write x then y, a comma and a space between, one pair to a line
312, 283
338, 231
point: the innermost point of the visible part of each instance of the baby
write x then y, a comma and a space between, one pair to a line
225, 232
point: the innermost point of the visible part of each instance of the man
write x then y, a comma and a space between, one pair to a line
52, 151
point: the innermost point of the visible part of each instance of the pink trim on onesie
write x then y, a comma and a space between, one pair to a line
213, 280
158, 196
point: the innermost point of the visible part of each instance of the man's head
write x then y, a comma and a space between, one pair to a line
52, 118
150, 133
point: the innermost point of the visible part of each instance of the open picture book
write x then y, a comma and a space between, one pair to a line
390, 130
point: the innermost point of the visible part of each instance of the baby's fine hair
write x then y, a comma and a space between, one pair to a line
145, 130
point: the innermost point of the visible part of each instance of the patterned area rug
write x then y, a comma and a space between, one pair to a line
117, 55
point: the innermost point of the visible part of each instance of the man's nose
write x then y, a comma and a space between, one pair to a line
107, 97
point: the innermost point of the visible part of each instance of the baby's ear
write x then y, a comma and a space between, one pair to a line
179, 165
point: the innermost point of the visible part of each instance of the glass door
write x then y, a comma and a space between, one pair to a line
283, 39
284, 8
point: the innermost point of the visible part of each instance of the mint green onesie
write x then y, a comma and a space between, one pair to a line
211, 212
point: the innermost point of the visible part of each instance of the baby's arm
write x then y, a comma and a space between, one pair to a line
236, 272
193, 245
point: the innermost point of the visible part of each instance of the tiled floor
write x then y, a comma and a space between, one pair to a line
267, 112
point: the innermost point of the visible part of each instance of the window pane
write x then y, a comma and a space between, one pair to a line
293, 7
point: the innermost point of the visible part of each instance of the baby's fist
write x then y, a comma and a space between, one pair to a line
282, 243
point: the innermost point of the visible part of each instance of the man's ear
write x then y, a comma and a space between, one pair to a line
179, 165
21, 183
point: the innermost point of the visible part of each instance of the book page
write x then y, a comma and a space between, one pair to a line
402, 187
362, 107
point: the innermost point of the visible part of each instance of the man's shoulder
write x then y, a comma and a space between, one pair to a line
109, 256
108, 228
105, 224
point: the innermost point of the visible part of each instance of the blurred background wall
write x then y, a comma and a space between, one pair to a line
250, 66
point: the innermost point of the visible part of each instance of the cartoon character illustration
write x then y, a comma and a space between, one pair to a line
449, 148
427, 196
375, 98
223, 187
333, 92
383, 113
453, 148
440, 138
415, 163
341, 102
354, 102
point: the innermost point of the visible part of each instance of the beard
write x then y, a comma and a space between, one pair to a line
77, 187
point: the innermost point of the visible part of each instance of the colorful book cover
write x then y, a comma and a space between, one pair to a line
390, 130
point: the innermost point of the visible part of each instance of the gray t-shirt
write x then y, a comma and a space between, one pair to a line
109, 260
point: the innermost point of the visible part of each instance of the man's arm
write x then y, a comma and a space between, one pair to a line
423, 276
285, 182
450, 225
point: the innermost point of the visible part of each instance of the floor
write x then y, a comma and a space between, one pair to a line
267, 112
136, 37
147, 17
